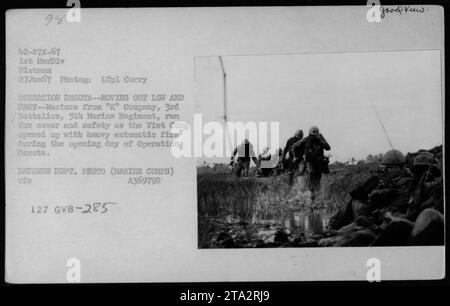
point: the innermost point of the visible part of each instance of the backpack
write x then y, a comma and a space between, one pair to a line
314, 154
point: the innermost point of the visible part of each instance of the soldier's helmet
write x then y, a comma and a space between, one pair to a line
299, 134
426, 160
314, 131
393, 158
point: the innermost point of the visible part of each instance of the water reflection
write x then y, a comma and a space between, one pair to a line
295, 227
310, 222
307, 222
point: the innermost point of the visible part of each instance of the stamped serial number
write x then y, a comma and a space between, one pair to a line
88, 208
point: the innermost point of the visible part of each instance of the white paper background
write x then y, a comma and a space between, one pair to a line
152, 235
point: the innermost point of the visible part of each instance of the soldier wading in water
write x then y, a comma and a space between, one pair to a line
288, 162
310, 150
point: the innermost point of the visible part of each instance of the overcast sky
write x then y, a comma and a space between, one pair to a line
334, 92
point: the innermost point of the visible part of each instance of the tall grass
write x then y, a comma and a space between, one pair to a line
222, 194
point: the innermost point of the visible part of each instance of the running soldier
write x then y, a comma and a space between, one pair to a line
288, 162
245, 152
311, 149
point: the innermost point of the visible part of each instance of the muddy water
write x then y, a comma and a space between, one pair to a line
290, 220
300, 222
312, 222
294, 229
304, 219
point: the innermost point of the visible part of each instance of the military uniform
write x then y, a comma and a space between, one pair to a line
399, 208
288, 163
392, 195
311, 149
244, 154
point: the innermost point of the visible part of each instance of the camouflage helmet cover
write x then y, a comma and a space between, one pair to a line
424, 158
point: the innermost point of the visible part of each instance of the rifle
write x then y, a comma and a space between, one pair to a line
417, 195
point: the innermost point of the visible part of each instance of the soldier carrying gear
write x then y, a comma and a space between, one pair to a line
394, 207
393, 165
388, 189
393, 192
288, 162
423, 212
245, 152
312, 149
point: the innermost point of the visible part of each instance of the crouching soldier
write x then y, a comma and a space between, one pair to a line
423, 221
394, 189
244, 153
394, 207
363, 216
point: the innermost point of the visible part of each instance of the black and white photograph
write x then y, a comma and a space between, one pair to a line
224, 144
359, 159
